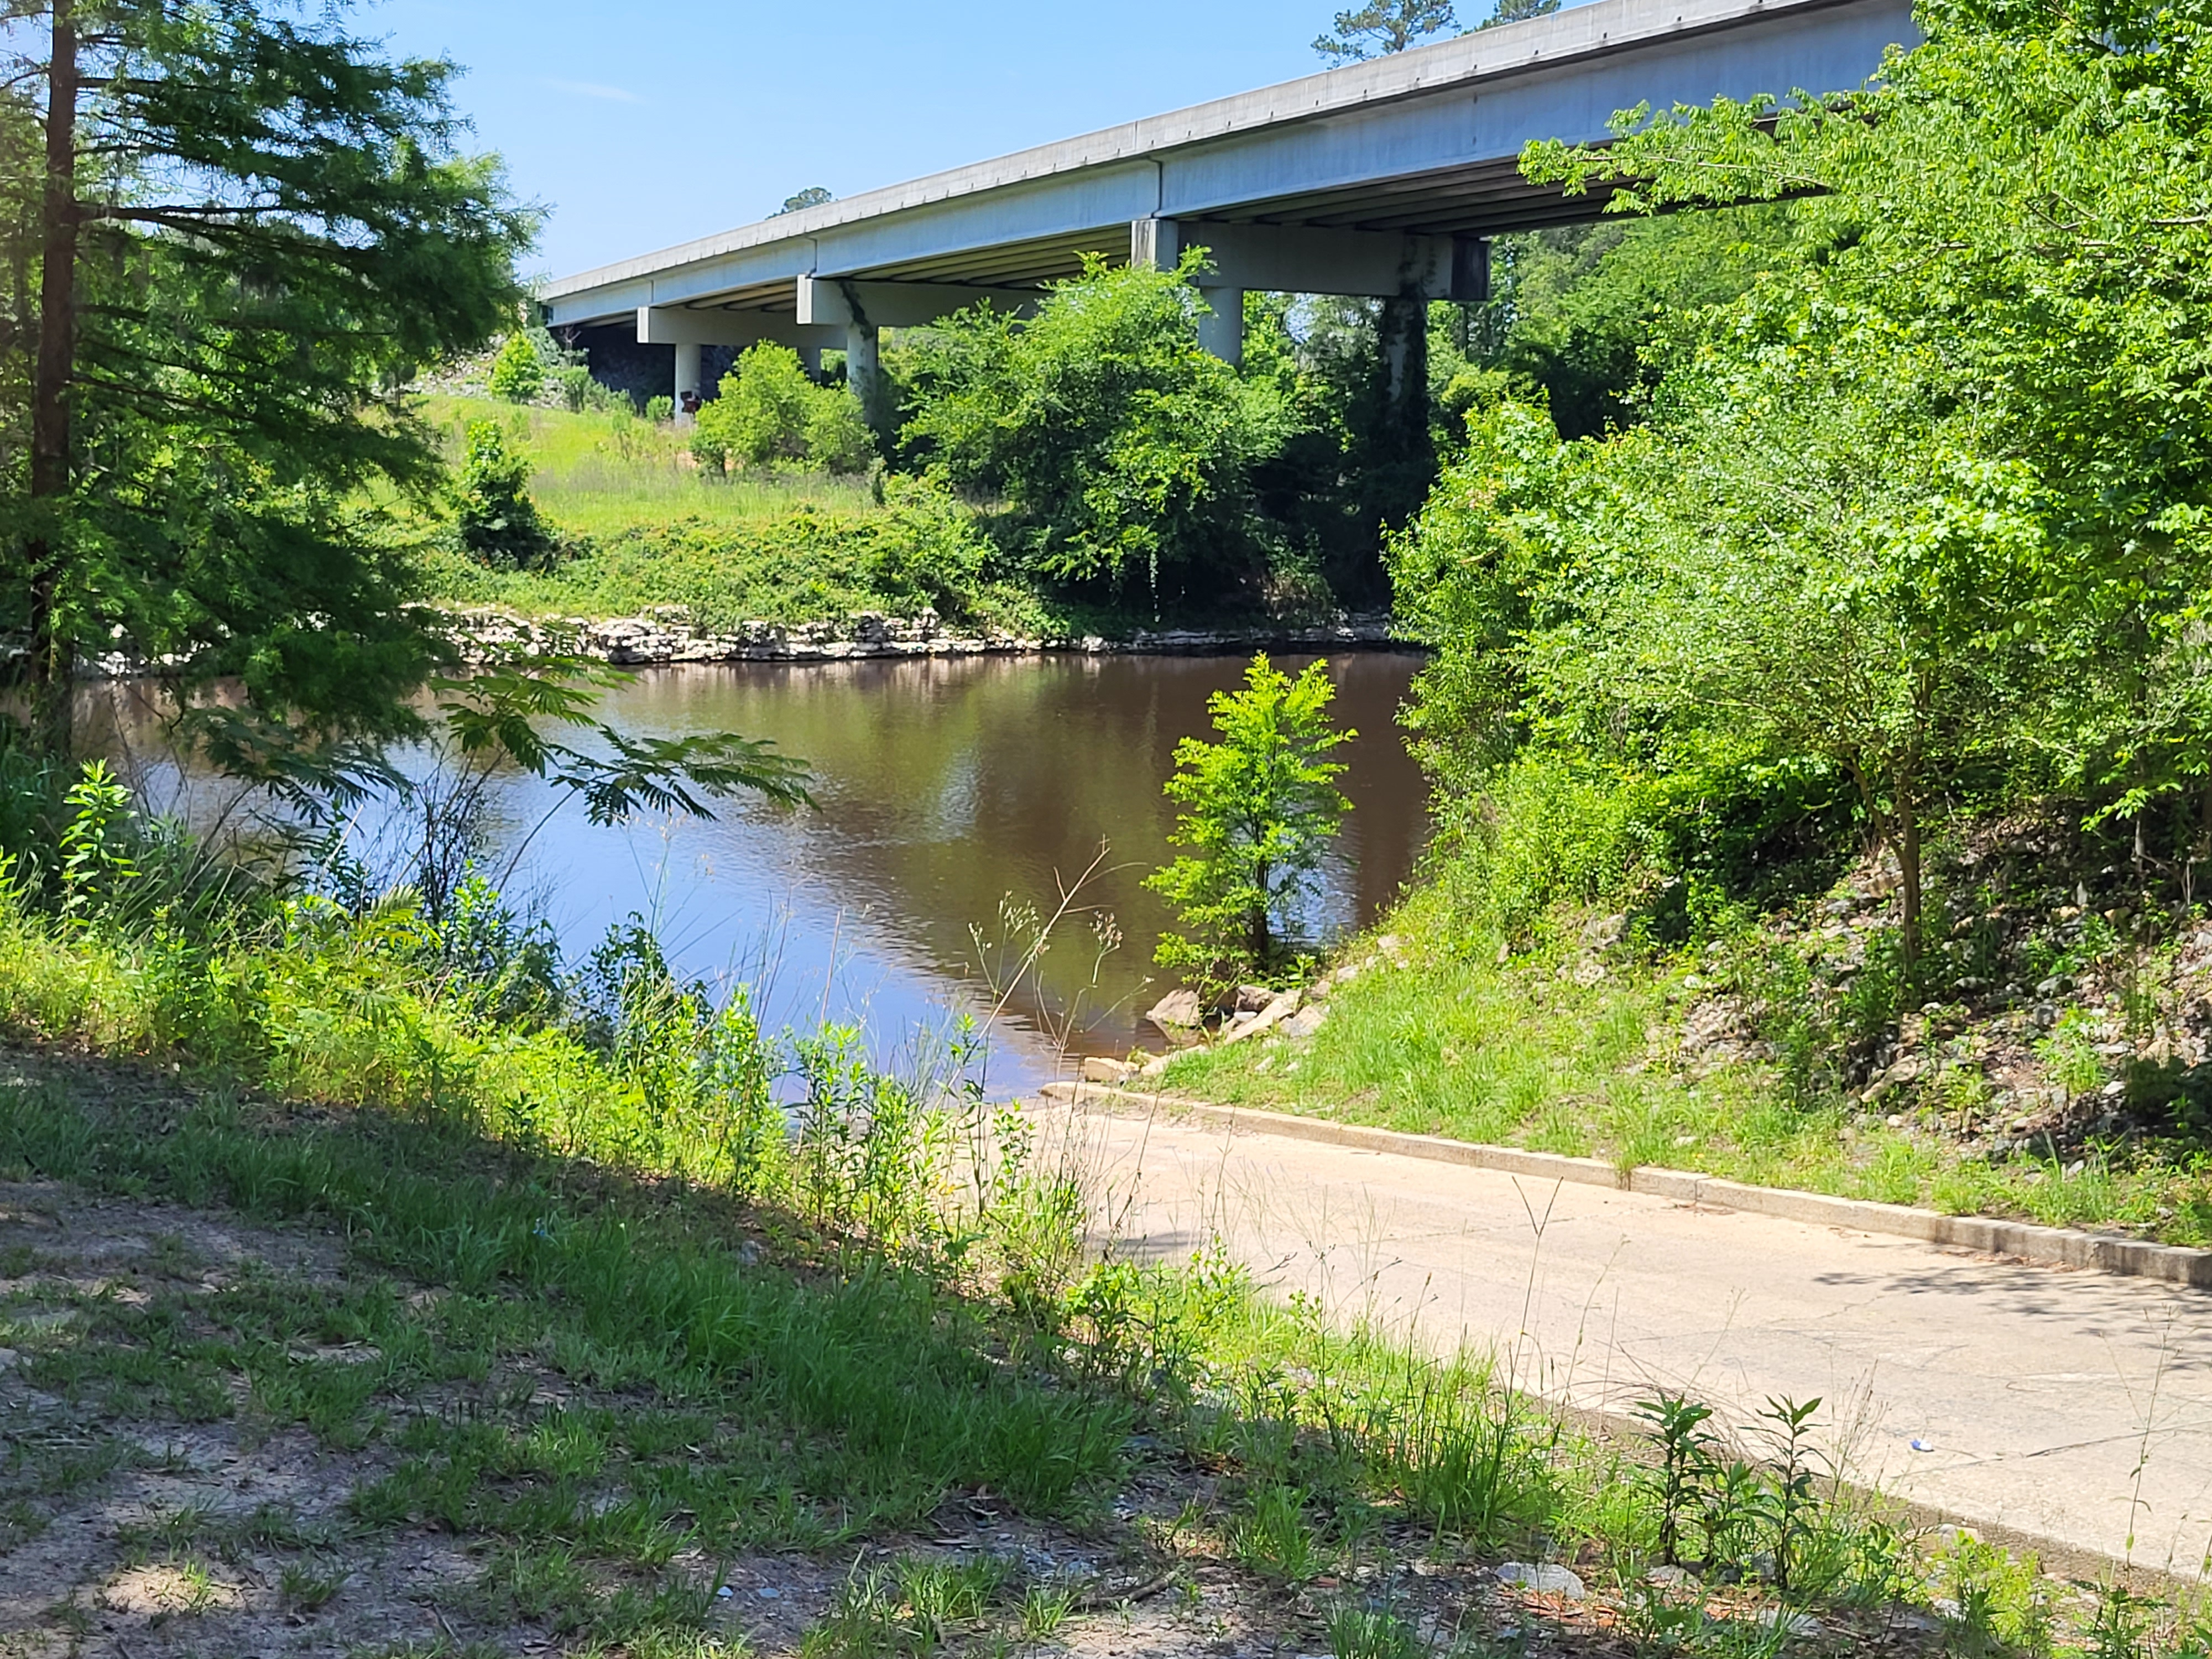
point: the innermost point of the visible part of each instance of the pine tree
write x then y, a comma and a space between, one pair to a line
246, 229
1382, 26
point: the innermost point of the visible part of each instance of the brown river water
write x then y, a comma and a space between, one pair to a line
944, 789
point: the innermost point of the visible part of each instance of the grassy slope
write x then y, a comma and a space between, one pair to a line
604, 473
1457, 1043
646, 528
598, 1382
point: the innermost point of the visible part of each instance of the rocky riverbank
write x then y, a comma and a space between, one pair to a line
664, 635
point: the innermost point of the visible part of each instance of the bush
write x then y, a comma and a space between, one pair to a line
577, 391
497, 521
518, 373
801, 566
660, 410
1260, 809
1116, 444
768, 413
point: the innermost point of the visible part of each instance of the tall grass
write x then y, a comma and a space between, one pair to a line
588, 1180
600, 473
1467, 1042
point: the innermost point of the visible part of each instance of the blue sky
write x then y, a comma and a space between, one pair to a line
646, 123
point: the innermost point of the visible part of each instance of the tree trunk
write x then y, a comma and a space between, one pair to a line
1906, 812
52, 657
1257, 941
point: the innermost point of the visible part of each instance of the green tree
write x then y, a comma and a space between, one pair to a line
1104, 440
1260, 808
252, 227
493, 513
518, 373
1518, 11
1382, 26
812, 196
1594, 315
767, 412
2023, 232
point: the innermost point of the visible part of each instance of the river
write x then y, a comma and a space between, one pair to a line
943, 791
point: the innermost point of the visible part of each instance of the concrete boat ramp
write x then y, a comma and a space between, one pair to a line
2065, 1405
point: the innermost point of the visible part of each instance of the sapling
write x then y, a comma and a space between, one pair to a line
1686, 1464
1789, 1505
1260, 808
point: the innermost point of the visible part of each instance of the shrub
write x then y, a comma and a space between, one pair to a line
497, 521
660, 410
1260, 806
768, 413
574, 385
518, 375
1115, 442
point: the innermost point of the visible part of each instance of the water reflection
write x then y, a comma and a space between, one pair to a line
943, 787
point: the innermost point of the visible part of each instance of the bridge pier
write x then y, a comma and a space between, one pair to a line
687, 371
864, 376
1221, 325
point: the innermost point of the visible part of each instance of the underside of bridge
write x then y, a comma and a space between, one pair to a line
1382, 179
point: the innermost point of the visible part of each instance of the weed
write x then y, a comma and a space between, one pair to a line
1788, 1506
306, 1589
862, 1623
1358, 1631
1685, 1463
196, 1590
1045, 1609
935, 1595
1274, 1536
2120, 1626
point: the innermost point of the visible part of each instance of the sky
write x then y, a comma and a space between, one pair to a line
642, 123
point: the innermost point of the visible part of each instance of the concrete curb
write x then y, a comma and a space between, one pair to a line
2060, 1247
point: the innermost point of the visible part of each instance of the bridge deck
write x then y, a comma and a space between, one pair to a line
1424, 141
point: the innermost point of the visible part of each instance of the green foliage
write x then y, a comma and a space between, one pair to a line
1593, 316
1685, 1449
1926, 520
577, 391
1382, 26
518, 373
1260, 808
496, 519
1274, 1537
812, 196
921, 550
768, 413
1108, 444
660, 410
96, 861
1371, 1632
189, 480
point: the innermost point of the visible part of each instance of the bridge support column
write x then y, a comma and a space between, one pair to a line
1221, 328
687, 371
1157, 245
864, 376
1406, 454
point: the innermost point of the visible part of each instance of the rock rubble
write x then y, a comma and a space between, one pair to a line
666, 634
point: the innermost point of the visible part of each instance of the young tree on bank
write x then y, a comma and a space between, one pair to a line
248, 229
1260, 808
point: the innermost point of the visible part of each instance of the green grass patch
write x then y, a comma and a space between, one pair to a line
600, 473
1518, 1052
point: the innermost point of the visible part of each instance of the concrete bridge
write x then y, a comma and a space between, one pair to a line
1383, 178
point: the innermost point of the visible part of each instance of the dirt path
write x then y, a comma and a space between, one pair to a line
2067, 1406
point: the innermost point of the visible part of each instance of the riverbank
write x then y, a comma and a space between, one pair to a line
652, 561
2061, 1086
667, 636
265, 1386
